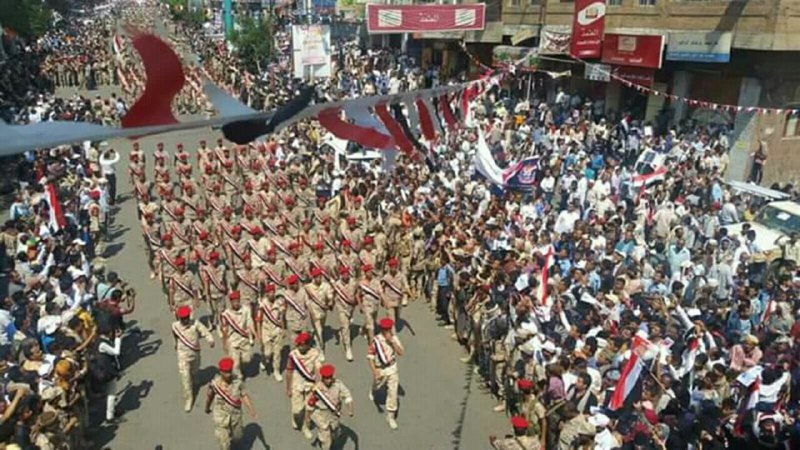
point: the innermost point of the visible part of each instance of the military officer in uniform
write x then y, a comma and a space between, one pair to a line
225, 398
395, 290
345, 293
324, 406
382, 355
519, 441
187, 333
296, 305
238, 332
319, 294
301, 376
215, 285
370, 298
181, 289
270, 320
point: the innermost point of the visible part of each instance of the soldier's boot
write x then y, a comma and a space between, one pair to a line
293, 421
187, 406
348, 354
390, 420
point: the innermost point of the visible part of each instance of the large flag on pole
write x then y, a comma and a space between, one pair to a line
485, 164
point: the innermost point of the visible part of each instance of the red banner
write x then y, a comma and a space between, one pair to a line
633, 50
641, 76
587, 28
424, 18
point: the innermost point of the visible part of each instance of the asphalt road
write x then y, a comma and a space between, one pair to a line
441, 406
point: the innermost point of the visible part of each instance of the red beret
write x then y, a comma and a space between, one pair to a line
184, 312
180, 261
179, 211
166, 237
351, 220
94, 195
393, 262
288, 201
368, 240
228, 163
236, 229
213, 255
269, 287
234, 295
346, 243
327, 371
203, 235
292, 279
319, 246
519, 422
225, 364
294, 245
386, 323
366, 268
316, 271
248, 185
248, 208
344, 270
257, 231
524, 385
272, 251
180, 145
302, 338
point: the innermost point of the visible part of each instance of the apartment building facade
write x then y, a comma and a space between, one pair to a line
755, 62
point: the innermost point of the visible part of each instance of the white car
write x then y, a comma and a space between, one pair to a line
774, 220
344, 156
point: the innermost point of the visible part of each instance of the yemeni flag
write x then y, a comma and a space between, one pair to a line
57, 220
750, 379
630, 374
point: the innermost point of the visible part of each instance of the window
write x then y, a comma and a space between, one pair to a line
513, 2
792, 122
614, 2
534, 2
647, 2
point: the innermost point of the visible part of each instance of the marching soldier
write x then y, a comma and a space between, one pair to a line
370, 299
326, 263
324, 406
203, 153
270, 321
160, 156
345, 292
143, 190
296, 305
181, 288
181, 230
274, 269
201, 224
238, 332
368, 254
136, 167
215, 286
319, 292
225, 398
170, 207
230, 181
259, 246
248, 282
395, 292
281, 240
519, 441
347, 257
403, 248
165, 259
382, 356
152, 242
294, 263
251, 200
191, 200
249, 222
217, 202
183, 168
236, 249
301, 375
292, 216
187, 334
531, 408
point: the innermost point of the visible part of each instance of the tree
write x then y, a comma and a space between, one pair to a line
27, 18
253, 42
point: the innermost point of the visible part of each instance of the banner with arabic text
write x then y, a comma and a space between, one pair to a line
425, 18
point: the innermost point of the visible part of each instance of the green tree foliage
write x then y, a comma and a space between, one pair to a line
27, 18
253, 42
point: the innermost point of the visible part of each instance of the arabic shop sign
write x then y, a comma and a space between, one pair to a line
383, 19
712, 47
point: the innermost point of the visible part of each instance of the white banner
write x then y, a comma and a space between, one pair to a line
598, 72
311, 46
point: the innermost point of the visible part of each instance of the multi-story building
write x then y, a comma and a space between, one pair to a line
755, 62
